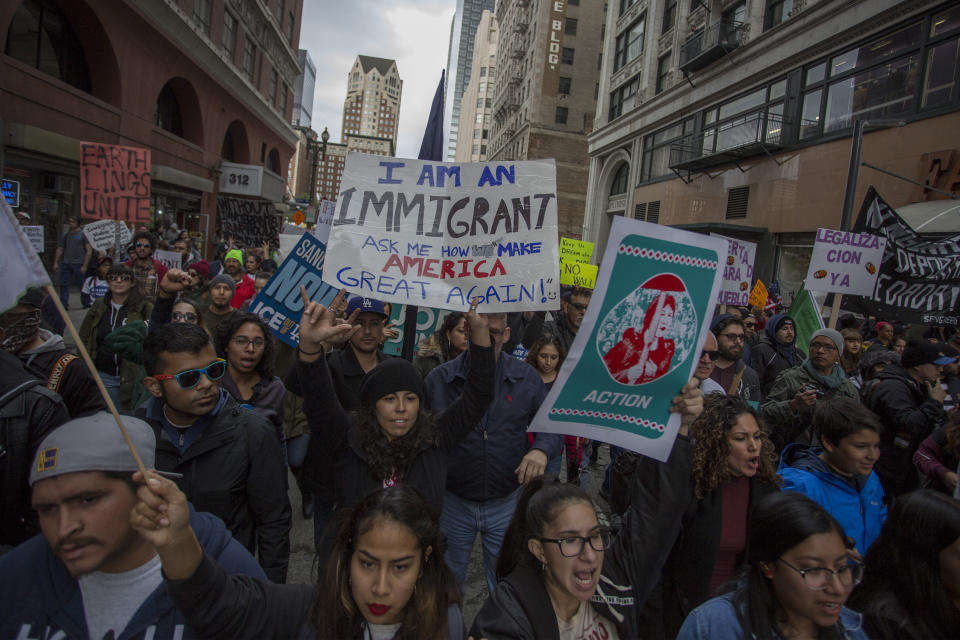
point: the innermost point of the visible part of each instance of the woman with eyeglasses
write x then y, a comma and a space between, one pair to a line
245, 342
564, 576
124, 303
911, 587
798, 573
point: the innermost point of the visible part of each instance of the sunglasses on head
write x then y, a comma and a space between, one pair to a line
191, 377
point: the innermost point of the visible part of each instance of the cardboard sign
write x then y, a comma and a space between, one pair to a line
758, 297
279, 303
249, 222
325, 213
578, 274
34, 234
102, 235
437, 234
19, 264
737, 271
575, 250
640, 339
114, 182
428, 321
169, 259
844, 262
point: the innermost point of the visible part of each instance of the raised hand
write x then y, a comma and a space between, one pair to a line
174, 281
689, 404
479, 325
162, 517
319, 325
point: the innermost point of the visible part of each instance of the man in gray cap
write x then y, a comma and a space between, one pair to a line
90, 574
788, 408
221, 290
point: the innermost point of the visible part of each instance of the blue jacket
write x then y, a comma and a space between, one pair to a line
40, 599
861, 513
716, 619
481, 467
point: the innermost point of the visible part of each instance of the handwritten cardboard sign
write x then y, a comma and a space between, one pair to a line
279, 303
640, 339
758, 297
249, 222
102, 234
578, 274
572, 250
437, 234
737, 271
34, 233
169, 259
114, 182
845, 262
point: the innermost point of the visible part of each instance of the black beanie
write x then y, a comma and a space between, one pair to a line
390, 376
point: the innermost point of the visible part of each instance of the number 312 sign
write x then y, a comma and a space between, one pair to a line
242, 179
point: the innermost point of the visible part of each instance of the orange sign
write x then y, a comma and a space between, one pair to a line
298, 217
758, 297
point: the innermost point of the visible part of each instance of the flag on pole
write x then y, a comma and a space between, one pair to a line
806, 316
19, 264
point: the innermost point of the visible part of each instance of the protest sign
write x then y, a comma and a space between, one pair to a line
169, 259
919, 276
249, 222
325, 213
844, 262
578, 274
575, 250
279, 303
102, 234
114, 182
737, 271
436, 234
806, 317
758, 297
428, 321
19, 264
288, 241
34, 234
640, 339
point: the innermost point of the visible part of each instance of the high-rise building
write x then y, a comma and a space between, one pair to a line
463, 28
736, 116
372, 105
476, 106
546, 89
333, 155
303, 90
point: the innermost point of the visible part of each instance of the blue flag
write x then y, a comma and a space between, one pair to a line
432, 146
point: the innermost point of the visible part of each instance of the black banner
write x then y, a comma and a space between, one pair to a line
249, 222
919, 279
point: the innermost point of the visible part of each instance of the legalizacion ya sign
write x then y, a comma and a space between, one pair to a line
844, 262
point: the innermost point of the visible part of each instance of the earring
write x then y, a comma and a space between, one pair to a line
766, 571
543, 568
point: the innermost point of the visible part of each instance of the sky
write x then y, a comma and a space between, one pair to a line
415, 33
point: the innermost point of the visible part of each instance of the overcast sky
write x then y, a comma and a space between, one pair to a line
415, 33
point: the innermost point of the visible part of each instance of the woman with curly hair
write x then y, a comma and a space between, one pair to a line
446, 343
734, 466
386, 578
245, 342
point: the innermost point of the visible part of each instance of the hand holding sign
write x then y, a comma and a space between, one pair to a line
319, 325
689, 404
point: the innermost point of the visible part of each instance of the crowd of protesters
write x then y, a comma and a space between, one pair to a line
811, 492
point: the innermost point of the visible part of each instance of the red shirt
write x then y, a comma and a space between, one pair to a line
733, 531
244, 292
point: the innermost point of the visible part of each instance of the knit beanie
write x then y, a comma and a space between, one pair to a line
223, 279
202, 267
390, 376
831, 334
234, 254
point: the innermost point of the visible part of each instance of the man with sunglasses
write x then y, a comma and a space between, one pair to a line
573, 307
730, 371
146, 271
229, 456
706, 365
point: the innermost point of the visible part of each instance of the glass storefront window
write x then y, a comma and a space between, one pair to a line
792, 264
778, 89
742, 103
880, 49
884, 91
945, 21
815, 74
810, 117
939, 85
774, 122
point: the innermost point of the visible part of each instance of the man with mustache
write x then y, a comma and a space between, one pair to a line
89, 574
229, 456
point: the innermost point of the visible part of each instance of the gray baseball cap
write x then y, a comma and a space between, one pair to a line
94, 443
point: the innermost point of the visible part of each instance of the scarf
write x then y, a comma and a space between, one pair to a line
834, 380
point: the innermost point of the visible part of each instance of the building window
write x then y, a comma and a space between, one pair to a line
669, 15
483, 72
41, 37
570, 27
201, 14
626, 4
561, 116
279, 13
656, 149
622, 96
564, 86
629, 43
166, 114
229, 34
777, 11
619, 184
249, 57
283, 100
272, 90
566, 55
663, 72
291, 19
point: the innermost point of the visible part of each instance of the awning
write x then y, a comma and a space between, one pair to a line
932, 216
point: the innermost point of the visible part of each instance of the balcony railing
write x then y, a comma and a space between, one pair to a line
709, 44
750, 135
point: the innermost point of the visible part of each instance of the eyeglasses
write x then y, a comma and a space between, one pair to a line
749, 324
118, 277
243, 342
734, 337
713, 355
578, 306
176, 316
821, 346
191, 377
817, 578
572, 546
141, 245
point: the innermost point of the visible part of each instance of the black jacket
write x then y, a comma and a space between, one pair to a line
64, 373
334, 453
909, 415
768, 363
520, 606
28, 412
235, 470
347, 374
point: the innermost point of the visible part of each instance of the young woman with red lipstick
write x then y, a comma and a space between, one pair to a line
797, 575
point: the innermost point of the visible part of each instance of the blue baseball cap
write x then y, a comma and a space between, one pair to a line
366, 305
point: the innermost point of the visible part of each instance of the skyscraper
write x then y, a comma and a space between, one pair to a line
459, 63
372, 105
477, 103
303, 90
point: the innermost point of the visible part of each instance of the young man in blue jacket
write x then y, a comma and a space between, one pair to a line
90, 574
840, 475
